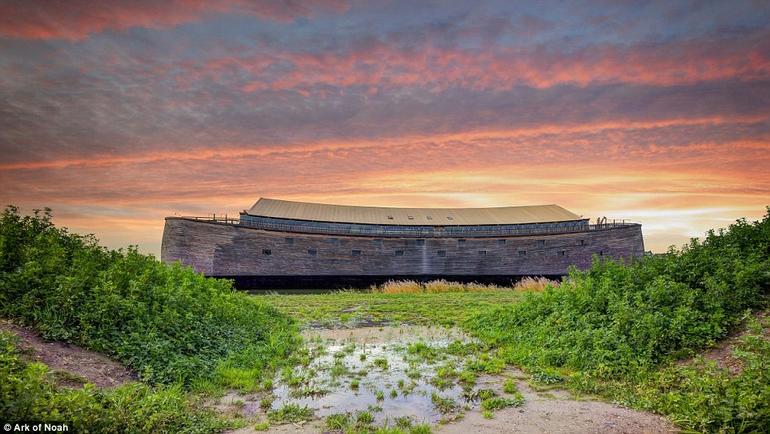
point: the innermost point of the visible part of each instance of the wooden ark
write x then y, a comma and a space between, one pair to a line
282, 244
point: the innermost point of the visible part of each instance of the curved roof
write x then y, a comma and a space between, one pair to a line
285, 209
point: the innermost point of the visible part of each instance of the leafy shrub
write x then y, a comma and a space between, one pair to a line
27, 393
617, 329
616, 318
168, 323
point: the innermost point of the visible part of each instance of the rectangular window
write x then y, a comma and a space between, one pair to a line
601, 252
522, 253
582, 242
441, 253
390, 217
289, 241
461, 242
399, 253
420, 242
355, 252
266, 252
541, 242
312, 252
482, 253
377, 242
562, 253
500, 242
334, 241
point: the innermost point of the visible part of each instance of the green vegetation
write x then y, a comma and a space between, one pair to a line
442, 403
362, 423
497, 403
377, 308
618, 329
627, 332
509, 386
290, 413
381, 363
168, 323
28, 393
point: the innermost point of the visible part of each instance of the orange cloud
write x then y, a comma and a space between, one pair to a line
77, 19
382, 65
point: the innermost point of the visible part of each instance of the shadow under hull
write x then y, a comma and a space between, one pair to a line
267, 283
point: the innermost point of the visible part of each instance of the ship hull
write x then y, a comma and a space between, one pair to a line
256, 258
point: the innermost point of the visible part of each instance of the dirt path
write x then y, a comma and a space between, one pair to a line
552, 411
74, 365
555, 412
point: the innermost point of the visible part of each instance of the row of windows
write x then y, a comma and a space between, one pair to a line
427, 217
440, 253
421, 242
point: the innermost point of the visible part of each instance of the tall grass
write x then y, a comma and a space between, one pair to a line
536, 284
441, 285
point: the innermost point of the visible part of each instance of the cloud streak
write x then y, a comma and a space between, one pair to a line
75, 20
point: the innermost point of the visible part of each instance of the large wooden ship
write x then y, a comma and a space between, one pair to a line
284, 244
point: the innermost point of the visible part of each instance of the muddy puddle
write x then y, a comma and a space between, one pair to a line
390, 372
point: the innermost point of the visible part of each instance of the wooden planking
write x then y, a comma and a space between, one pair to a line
232, 250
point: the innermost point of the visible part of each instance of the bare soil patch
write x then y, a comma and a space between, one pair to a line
555, 412
72, 365
723, 353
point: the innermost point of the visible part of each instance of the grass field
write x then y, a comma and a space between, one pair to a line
371, 308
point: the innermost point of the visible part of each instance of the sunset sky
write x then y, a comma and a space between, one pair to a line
117, 114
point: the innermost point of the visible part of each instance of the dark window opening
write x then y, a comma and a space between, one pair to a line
461, 241
441, 253
582, 242
562, 253
482, 253
420, 242
601, 252
500, 242
355, 252
522, 253
266, 252
312, 252
399, 253
289, 240
541, 242
390, 217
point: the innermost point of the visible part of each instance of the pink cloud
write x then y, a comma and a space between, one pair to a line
382, 65
77, 19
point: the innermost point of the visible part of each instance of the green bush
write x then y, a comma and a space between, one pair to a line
27, 393
618, 329
616, 318
168, 323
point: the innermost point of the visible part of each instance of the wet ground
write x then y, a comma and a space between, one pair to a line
381, 370
423, 375
388, 372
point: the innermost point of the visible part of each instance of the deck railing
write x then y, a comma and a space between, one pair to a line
371, 230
